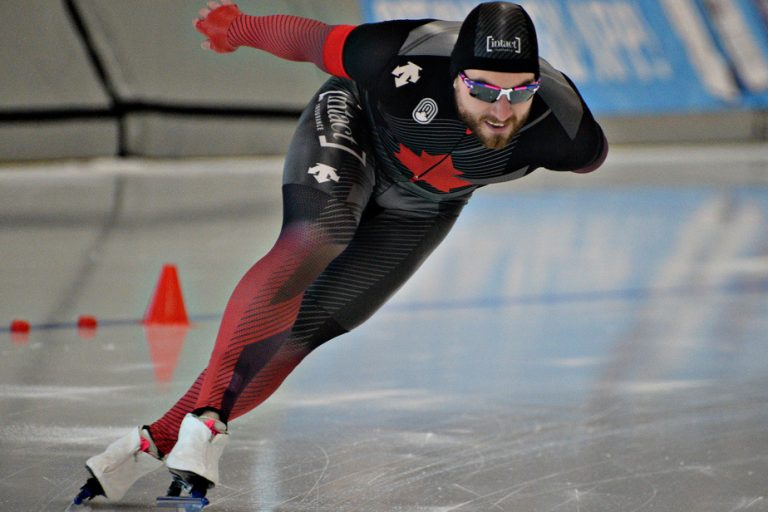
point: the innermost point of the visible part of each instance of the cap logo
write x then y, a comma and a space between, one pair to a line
502, 45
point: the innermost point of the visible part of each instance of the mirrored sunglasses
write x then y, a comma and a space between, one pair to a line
491, 94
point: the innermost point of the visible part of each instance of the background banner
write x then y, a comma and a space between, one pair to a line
740, 28
632, 57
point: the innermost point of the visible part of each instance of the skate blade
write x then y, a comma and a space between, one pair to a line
182, 503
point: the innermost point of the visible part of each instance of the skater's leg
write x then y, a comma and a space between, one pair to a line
388, 247
326, 188
263, 306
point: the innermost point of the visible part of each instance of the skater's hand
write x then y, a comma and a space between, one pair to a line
214, 22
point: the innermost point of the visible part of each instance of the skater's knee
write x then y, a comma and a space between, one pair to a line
318, 217
310, 331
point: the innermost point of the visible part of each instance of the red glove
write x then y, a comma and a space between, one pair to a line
216, 25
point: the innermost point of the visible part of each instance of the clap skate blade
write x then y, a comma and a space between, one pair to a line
195, 485
182, 503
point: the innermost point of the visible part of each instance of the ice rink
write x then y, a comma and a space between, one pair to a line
579, 343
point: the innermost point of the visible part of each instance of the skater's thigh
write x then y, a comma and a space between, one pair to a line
390, 244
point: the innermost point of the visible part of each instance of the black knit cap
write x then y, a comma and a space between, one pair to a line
497, 36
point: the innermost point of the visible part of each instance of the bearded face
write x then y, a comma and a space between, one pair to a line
494, 124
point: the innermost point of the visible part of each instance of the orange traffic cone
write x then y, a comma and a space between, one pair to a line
167, 305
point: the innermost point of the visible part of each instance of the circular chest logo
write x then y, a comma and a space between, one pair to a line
425, 111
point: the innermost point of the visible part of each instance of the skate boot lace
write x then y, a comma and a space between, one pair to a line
144, 445
211, 424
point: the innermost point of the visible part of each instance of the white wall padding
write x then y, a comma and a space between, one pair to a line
44, 63
152, 54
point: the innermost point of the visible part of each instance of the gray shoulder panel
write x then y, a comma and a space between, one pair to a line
561, 98
434, 39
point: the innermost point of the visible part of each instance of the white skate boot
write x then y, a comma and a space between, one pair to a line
194, 461
116, 469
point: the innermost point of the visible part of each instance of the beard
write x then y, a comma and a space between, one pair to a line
489, 137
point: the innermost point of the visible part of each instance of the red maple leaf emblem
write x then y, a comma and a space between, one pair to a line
437, 170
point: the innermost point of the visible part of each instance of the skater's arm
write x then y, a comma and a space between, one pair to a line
577, 141
285, 36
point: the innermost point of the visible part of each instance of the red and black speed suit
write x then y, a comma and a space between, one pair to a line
377, 173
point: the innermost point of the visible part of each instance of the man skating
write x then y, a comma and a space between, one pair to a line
417, 115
